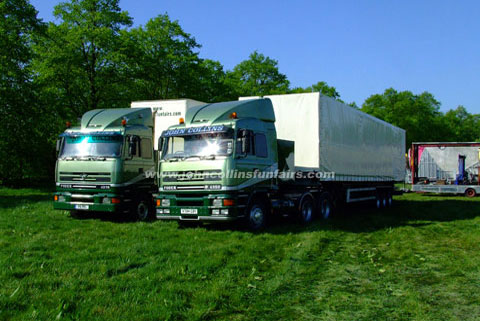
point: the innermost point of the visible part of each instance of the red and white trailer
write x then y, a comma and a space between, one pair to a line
450, 168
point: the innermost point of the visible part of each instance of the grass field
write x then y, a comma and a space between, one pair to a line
419, 260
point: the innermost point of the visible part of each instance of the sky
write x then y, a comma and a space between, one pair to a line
360, 47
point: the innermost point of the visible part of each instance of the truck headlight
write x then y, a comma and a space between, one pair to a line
224, 212
216, 212
61, 198
217, 202
106, 200
165, 202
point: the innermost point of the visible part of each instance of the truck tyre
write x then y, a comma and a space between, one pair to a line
325, 206
384, 200
306, 209
470, 192
389, 199
379, 201
143, 211
256, 215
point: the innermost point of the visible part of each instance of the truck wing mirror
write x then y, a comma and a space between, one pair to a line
132, 146
245, 145
160, 144
58, 145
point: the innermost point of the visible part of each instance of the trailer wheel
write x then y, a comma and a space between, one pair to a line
385, 200
256, 215
389, 200
306, 209
470, 192
379, 201
325, 205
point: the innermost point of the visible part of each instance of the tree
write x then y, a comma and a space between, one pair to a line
161, 57
257, 76
79, 63
464, 126
419, 115
321, 87
19, 109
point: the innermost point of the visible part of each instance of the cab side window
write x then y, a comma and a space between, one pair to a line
261, 149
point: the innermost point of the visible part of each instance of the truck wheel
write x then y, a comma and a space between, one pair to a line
325, 206
257, 216
306, 210
379, 202
470, 192
389, 200
143, 211
384, 200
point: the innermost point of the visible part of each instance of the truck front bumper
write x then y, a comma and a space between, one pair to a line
196, 218
183, 207
92, 203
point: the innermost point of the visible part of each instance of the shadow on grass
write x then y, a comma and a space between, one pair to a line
364, 218
12, 201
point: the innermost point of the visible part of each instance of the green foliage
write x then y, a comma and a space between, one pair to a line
464, 126
320, 86
416, 261
21, 115
257, 76
78, 63
419, 115
161, 56
162, 63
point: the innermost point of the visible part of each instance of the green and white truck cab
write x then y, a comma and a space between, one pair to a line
104, 164
207, 161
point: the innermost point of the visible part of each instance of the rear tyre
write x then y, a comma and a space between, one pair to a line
379, 202
306, 210
389, 200
470, 192
384, 200
325, 206
256, 216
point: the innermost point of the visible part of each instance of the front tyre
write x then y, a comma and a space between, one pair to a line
142, 211
256, 216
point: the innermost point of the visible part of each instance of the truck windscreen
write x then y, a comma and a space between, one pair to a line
201, 145
92, 146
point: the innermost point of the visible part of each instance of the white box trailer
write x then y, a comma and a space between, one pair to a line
166, 113
330, 136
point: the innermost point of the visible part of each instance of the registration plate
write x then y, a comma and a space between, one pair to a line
81, 207
188, 211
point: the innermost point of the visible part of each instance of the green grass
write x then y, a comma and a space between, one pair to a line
419, 260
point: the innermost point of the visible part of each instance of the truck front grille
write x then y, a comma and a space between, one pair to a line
84, 177
193, 176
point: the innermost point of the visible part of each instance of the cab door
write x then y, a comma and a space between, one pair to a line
253, 163
139, 166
